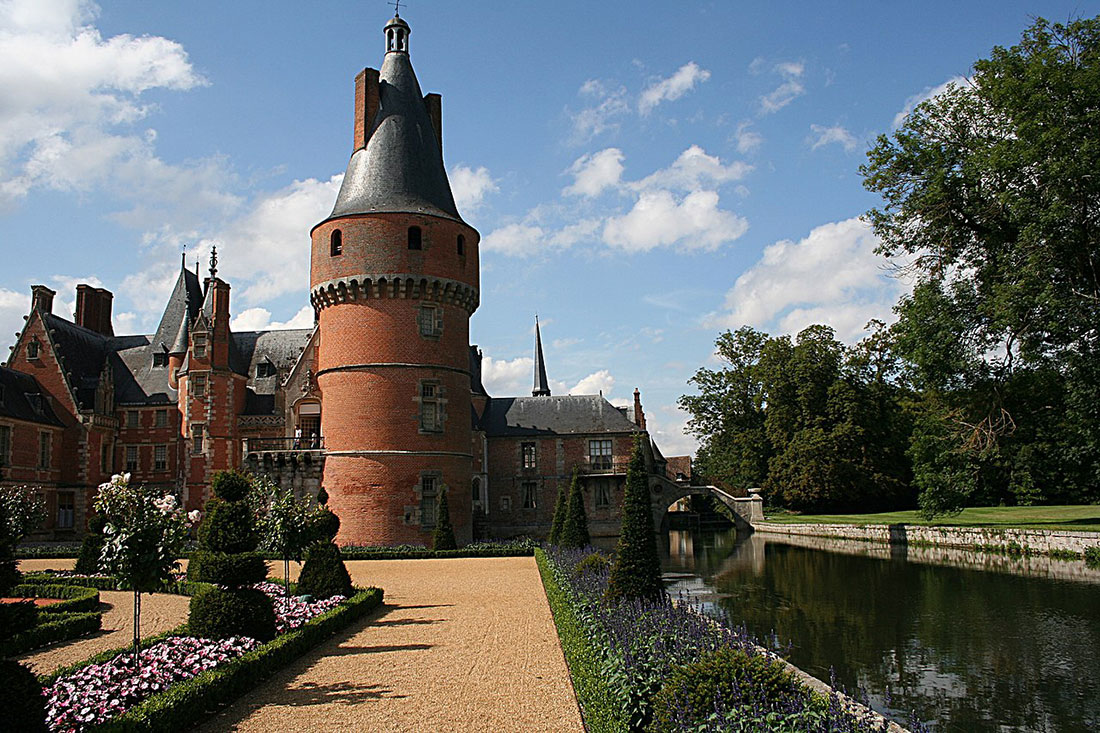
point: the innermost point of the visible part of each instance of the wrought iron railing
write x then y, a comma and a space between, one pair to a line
304, 442
610, 465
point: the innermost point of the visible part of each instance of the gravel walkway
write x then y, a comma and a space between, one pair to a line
460, 645
159, 612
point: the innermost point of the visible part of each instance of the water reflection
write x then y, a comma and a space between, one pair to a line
966, 649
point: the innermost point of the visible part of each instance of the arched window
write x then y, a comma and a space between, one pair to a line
461, 245
414, 238
336, 243
389, 39
475, 490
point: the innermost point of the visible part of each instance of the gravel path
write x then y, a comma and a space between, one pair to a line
460, 645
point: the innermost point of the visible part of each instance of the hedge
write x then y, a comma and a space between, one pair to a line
593, 694
183, 704
63, 550
419, 552
101, 582
52, 628
74, 597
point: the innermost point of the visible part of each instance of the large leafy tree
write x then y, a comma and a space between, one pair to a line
990, 193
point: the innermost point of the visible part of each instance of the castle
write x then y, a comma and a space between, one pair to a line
381, 402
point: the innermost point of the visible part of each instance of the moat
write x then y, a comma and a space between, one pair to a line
962, 649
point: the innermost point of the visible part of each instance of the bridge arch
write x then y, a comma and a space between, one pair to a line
746, 510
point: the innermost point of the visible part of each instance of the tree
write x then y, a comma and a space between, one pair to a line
144, 533
560, 507
285, 527
20, 514
636, 572
574, 530
443, 536
989, 190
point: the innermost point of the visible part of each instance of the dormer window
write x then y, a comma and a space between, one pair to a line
200, 346
32, 350
415, 238
265, 369
160, 359
336, 243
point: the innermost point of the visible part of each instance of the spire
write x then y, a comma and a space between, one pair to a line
542, 386
397, 166
183, 304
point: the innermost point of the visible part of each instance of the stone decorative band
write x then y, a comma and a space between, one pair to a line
451, 453
367, 286
386, 365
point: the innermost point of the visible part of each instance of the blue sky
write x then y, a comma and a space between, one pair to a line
644, 175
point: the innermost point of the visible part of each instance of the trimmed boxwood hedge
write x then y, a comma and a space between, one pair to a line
182, 705
419, 552
101, 582
593, 694
52, 628
74, 597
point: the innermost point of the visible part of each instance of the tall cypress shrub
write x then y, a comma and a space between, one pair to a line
574, 531
91, 547
560, 507
636, 572
228, 540
443, 537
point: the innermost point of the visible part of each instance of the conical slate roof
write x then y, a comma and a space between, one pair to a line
401, 168
183, 305
542, 385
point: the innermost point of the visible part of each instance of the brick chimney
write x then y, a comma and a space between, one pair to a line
42, 298
639, 413
366, 105
93, 309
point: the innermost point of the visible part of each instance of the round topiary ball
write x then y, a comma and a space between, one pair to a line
228, 527
230, 485
324, 573
21, 698
218, 613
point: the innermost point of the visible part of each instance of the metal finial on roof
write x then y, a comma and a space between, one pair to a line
214, 262
396, 8
542, 384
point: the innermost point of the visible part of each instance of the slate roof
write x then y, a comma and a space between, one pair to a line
21, 398
184, 301
570, 414
542, 385
401, 167
281, 348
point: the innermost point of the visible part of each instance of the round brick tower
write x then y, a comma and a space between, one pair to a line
394, 279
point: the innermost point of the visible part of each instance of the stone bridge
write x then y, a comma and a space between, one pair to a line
745, 510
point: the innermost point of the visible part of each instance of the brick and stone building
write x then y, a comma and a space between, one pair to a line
381, 401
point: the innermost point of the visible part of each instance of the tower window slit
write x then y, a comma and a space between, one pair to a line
415, 238
336, 243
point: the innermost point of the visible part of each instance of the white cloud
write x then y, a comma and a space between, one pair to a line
747, 140
505, 378
594, 172
514, 239
832, 276
929, 92
69, 100
672, 88
658, 219
599, 382
471, 186
693, 170
666, 424
602, 116
836, 134
788, 91
259, 319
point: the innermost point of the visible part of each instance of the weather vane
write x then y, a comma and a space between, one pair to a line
396, 8
213, 262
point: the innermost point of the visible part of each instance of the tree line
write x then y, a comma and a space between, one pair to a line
986, 390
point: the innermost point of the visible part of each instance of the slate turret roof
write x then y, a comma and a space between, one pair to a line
400, 170
542, 386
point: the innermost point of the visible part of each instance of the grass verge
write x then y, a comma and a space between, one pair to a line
593, 694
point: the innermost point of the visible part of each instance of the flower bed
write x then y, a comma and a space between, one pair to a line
183, 685
293, 611
621, 657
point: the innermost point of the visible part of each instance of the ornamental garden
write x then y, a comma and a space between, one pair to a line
638, 659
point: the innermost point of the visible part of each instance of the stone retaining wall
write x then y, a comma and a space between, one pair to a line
989, 539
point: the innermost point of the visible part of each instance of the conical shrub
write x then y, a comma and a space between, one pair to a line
324, 573
574, 531
443, 537
560, 507
636, 572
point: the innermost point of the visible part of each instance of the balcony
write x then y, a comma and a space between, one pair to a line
284, 444
604, 466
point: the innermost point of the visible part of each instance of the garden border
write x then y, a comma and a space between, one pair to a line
51, 629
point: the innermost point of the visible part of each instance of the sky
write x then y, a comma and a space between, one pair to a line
644, 175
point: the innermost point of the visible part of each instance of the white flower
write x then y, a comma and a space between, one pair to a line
194, 516
126, 478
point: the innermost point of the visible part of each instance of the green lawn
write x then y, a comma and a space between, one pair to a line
1085, 518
